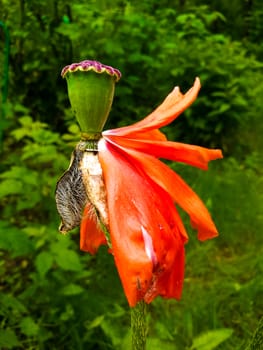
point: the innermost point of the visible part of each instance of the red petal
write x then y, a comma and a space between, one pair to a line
174, 104
180, 152
91, 236
138, 206
181, 193
154, 135
170, 283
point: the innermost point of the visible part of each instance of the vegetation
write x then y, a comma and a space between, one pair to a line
52, 296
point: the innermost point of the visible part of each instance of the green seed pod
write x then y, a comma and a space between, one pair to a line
91, 88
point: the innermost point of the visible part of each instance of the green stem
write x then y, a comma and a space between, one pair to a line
257, 340
5, 78
139, 326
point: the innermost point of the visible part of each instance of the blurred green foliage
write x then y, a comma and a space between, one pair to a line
51, 295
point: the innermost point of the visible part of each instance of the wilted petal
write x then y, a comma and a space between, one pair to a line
125, 220
154, 135
136, 202
91, 235
148, 244
169, 284
181, 193
174, 104
180, 152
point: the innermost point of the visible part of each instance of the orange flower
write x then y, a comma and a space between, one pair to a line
146, 231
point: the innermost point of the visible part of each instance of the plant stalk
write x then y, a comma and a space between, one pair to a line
256, 342
139, 326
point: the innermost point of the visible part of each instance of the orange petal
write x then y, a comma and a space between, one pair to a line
91, 236
170, 283
144, 232
180, 152
133, 264
174, 104
154, 135
181, 193
148, 135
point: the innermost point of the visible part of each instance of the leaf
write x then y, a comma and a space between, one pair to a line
44, 261
211, 339
163, 331
126, 341
72, 289
67, 314
114, 332
8, 339
29, 327
10, 186
10, 303
96, 322
68, 260
157, 344
15, 241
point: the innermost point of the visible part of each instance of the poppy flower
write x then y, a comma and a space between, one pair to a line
146, 231
140, 199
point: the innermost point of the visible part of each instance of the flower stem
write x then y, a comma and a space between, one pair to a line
257, 340
139, 326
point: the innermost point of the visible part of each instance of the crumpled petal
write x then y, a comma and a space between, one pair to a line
154, 135
91, 235
176, 187
147, 237
193, 155
173, 105
170, 283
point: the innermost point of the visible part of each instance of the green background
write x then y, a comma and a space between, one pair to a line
52, 296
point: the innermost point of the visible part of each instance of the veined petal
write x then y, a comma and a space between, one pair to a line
175, 186
174, 104
144, 233
168, 246
91, 236
193, 155
148, 135
170, 283
133, 264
